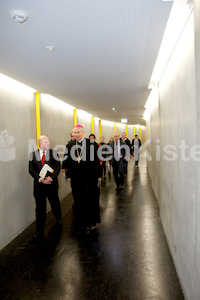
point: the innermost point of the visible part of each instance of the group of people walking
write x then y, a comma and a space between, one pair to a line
84, 165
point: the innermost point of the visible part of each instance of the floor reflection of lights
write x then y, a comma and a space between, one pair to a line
110, 209
68, 272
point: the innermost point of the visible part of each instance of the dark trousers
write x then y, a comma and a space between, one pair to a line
125, 167
103, 168
118, 171
41, 193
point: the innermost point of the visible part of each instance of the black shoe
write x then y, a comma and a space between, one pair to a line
38, 237
87, 230
59, 222
122, 187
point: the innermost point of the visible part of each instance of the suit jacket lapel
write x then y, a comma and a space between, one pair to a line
38, 159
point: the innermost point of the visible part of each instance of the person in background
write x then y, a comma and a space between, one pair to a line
117, 161
46, 187
128, 143
108, 162
110, 140
84, 171
93, 137
136, 144
103, 162
72, 136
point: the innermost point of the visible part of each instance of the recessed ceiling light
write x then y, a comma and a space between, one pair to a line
50, 48
19, 16
113, 108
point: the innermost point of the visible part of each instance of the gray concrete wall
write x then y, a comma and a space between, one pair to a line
85, 120
196, 286
17, 125
107, 130
174, 121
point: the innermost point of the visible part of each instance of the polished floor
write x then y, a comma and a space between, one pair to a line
127, 257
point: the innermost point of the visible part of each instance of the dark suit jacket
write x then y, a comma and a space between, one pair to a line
35, 166
128, 143
123, 152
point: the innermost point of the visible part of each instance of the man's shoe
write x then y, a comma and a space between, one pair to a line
59, 222
122, 187
38, 237
87, 230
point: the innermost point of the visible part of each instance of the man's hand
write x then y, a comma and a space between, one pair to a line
47, 180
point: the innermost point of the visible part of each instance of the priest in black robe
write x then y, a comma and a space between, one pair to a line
84, 171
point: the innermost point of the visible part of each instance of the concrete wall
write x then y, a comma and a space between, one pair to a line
17, 125
196, 286
173, 127
18, 139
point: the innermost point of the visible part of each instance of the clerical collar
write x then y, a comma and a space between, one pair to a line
80, 141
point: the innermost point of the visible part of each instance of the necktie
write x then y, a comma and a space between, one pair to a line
116, 151
43, 158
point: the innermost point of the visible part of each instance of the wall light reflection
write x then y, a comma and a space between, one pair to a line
16, 86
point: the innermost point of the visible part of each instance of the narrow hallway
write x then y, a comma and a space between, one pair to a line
127, 257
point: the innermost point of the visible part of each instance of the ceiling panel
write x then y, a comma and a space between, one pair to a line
105, 51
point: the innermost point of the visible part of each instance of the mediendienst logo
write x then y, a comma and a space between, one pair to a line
7, 150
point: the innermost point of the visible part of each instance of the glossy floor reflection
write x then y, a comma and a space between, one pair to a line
127, 257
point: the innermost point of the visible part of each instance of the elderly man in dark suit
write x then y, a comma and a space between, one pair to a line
120, 151
45, 183
128, 143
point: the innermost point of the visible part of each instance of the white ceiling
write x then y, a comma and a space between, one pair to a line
105, 51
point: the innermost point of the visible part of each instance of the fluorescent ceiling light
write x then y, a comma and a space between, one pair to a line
124, 121
57, 102
15, 85
178, 17
84, 114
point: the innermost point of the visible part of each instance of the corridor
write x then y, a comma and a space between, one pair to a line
127, 257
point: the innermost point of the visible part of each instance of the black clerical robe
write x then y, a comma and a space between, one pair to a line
84, 180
